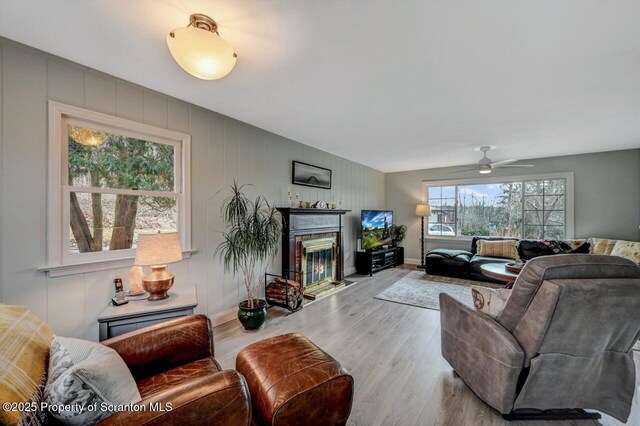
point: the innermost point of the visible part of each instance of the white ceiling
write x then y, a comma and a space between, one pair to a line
396, 85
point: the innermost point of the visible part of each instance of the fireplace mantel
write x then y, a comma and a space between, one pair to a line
294, 210
298, 223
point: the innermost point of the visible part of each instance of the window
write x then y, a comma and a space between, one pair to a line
534, 207
110, 180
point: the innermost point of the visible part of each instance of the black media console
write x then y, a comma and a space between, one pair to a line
370, 261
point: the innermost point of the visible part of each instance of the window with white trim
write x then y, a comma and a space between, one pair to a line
536, 207
110, 180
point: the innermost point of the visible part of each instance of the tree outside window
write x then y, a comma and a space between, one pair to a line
112, 189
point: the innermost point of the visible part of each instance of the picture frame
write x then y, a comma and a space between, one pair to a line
310, 175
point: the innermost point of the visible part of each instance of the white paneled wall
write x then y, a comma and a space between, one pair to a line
223, 149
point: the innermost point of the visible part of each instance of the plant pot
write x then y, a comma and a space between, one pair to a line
252, 318
396, 243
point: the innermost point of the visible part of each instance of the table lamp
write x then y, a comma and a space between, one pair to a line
157, 250
422, 210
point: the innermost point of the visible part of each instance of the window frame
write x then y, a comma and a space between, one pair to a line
569, 197
58, 215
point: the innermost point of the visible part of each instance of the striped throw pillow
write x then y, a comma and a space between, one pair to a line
498, 248
24, 349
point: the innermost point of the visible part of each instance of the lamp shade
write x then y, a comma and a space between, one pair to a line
423, 210
158, 249
201, 53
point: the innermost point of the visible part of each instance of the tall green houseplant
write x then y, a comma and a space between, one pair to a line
250, 240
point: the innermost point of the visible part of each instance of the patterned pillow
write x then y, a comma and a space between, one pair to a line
627, 249
601, 246
489, 301
499, 248
86, 374
24, 347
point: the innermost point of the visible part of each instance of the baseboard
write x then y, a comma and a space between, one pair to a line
223, 317
411, 261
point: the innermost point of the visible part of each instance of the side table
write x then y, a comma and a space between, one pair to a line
117, 320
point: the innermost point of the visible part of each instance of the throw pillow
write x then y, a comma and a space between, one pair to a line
498, 248
489, 301
601, 246
627, 249
24, 348
87, 374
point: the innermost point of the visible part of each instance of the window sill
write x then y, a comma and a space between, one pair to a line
96, 265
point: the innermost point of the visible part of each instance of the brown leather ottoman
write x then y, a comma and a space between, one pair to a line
294, 382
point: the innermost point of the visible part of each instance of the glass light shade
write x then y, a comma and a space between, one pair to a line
201, 53
423, 210
87, 137
484, 169
158, 249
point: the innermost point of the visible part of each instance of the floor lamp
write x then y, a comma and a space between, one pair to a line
422, 210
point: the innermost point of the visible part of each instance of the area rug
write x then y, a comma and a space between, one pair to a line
422, 290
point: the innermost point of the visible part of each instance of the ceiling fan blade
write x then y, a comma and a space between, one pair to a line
466, 170
501, 166
503, 162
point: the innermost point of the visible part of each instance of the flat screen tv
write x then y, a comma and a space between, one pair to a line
375, 227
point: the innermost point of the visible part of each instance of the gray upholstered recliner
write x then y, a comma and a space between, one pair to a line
563, 340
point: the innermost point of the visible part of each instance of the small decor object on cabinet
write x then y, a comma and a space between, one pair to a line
320, 205
136, 273
308, 175
398, 234
119, 299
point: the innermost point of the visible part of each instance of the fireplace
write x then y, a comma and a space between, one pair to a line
312, 249
318, 261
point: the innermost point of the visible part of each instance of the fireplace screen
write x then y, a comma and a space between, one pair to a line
318, 261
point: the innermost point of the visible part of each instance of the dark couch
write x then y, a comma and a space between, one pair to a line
466, 264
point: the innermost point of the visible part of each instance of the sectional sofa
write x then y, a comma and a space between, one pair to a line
467, 263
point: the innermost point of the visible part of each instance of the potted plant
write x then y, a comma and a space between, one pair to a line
398, 234
251, 240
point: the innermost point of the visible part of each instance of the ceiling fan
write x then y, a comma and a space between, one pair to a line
486, 166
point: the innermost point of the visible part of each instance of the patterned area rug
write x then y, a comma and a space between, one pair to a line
422, 290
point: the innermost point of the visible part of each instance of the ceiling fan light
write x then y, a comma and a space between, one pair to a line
484, 169
200, 50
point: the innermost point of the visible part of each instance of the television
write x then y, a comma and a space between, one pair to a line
375, 227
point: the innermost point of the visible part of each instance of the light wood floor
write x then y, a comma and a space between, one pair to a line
393, 353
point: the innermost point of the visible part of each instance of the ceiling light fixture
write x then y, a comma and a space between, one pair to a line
199, 49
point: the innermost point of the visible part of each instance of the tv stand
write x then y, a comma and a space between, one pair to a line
374, 260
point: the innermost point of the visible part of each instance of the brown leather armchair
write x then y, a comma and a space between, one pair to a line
172, 362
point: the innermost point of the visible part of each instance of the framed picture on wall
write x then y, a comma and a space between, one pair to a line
308, 175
